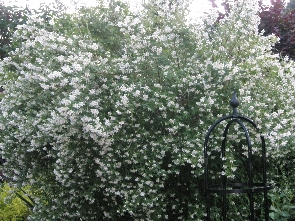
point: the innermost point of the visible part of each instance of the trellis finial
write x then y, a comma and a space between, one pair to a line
234, 102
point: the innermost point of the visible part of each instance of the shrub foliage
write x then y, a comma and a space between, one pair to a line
105, 111
11, 206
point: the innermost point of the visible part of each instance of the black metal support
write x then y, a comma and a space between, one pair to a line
250, 187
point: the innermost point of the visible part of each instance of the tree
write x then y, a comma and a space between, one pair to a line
290, 5
275, 19
10, 17
279, 21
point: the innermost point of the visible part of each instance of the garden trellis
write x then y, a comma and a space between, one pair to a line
247, 186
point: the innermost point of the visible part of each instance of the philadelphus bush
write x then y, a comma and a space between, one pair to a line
119, 136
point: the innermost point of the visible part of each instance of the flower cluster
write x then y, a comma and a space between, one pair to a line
105, 116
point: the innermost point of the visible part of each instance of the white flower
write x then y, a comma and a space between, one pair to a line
67, 69
54, 74
145, 97
77, 67
93, 46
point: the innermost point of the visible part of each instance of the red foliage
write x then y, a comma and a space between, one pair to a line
277, 20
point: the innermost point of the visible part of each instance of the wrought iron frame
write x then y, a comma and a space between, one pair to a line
233, 188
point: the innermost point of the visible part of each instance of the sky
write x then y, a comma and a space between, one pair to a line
197, 8
197, 5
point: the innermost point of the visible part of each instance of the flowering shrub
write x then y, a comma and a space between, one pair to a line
111, 126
